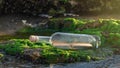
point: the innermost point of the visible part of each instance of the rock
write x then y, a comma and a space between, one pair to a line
71, 15
88, 25
31, 54
45, 16
117, 51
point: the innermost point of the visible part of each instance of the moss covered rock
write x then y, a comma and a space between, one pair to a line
40, 52
32, 54
63, 24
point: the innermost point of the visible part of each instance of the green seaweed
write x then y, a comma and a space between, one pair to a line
50, 53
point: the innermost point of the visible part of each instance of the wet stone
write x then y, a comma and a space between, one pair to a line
31, 54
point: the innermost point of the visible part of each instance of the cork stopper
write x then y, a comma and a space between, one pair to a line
33, 38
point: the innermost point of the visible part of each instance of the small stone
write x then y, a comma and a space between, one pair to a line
32, 54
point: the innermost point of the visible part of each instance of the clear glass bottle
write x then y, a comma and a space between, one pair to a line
75, 40
69, 40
